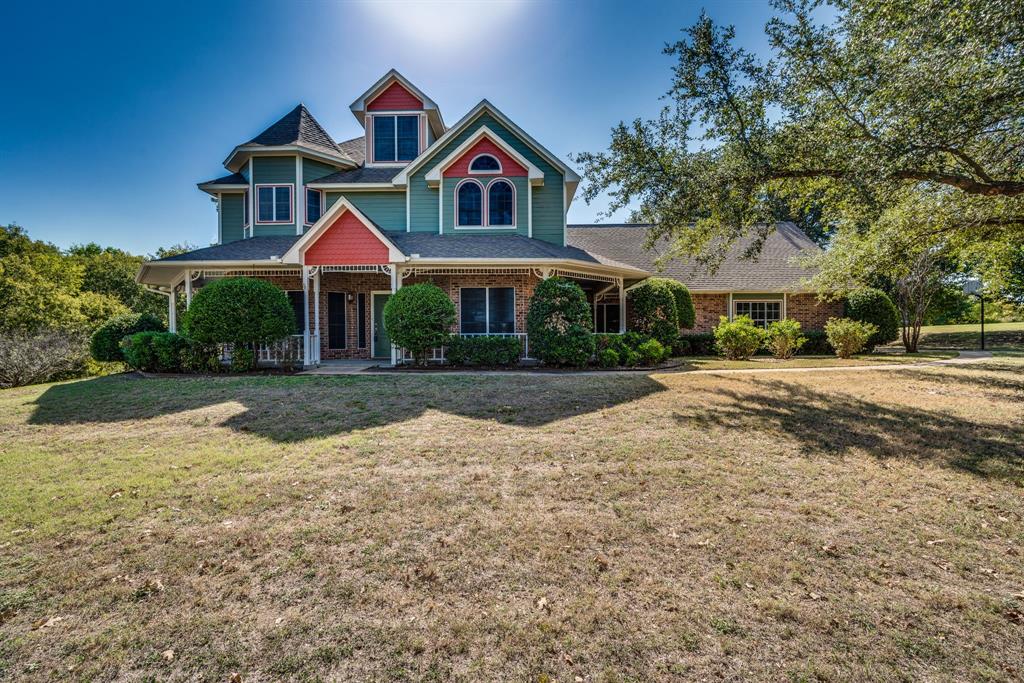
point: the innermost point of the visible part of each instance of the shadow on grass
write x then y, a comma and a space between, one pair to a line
289, 409
830, 422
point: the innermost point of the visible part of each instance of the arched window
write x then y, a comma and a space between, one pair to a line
470, 204
501, 203
485, 163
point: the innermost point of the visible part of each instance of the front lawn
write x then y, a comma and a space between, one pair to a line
997, 336
620, 527
768, 362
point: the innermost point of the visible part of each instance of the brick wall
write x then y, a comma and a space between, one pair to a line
708, 308
812, 315
524, 285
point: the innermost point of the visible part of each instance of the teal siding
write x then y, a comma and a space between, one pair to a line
275, 170
386, 209
548, 200
314, 170
231, 217
522, 201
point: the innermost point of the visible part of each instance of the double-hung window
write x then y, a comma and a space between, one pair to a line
762, 313
487, 310
274, 203
314, 205
396, 138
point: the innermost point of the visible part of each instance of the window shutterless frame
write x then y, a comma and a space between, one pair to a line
485, 204
762, 311
487, 310
314, 205
280, 206
396, 137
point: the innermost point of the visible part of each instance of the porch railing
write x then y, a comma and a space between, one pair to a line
437, 355
287, 350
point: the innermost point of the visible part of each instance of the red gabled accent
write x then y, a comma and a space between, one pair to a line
509, 166
394, 98
346, 242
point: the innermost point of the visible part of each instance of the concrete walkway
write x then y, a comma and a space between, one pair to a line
352, 367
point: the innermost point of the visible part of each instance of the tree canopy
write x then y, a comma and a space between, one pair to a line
849, 114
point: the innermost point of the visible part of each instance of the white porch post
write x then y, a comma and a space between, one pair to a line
622, 307
316, 317
188, 289
172, 310
396, 282
305, 316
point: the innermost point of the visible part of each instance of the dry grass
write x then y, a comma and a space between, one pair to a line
863, 525
768, 362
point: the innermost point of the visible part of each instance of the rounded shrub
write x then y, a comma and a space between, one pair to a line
739, 338
105, 343
242, 359
783, 338
654, 310
239, 310
417, 319
631, 358
848, 336
607, 358
685, 312
651, 352
870, 305
559, 323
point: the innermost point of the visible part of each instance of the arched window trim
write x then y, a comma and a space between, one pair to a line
483, 203
485, 154
487, 202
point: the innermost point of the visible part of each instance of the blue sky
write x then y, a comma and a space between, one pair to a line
113, 112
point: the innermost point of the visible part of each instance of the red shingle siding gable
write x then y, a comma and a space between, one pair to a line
395, 98
509, 166
346, 242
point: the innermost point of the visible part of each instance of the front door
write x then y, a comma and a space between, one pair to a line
381, 344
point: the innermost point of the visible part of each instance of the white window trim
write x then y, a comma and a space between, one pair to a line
305, 204
780, 302
485, 218
483, 204
291, 209
371, 147
470, 170
487, 312
246, 217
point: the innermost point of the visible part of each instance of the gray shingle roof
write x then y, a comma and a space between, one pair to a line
355, 149
774, 269
433, 246
425, 245
252, 249
233, 179
362, 175
298, 127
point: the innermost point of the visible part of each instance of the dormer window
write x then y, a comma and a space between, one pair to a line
485, 163
395, 138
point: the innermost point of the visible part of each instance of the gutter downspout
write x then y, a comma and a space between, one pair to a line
172, 311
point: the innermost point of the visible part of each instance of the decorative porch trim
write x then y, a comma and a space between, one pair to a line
414, 271
246, 272
369, 268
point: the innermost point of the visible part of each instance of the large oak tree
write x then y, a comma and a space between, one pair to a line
847, 116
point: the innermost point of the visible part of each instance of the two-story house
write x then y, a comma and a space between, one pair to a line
477, 207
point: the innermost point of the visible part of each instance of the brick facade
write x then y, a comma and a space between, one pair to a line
804, 308
708, 308
524, 284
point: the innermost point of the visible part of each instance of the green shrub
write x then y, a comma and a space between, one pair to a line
695, 344
848, 336
105, 344
239, 310
654, 310
487, 351
559, 323
607, 358
651, 352
738, 339
630, 359
783, 338
417, 319
685, 312
242, 359
816, 344
874, 306
138, 351
167, 347
199, 357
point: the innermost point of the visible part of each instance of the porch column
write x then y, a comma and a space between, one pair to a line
622, 307
305, 316
188, 289
316, 317
396, 283
172, 310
